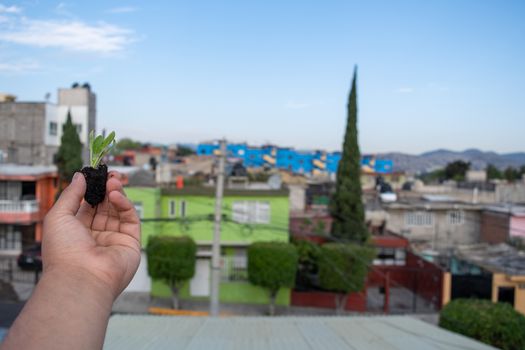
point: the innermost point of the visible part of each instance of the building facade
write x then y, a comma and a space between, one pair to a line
30, 132
26, 195
436, 225
248, 216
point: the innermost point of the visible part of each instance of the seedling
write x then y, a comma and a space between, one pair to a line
99, 147
97, 173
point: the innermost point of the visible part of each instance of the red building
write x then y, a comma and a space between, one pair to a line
26, 195
395, 266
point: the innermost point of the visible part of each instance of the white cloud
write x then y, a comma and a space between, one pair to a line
296, 105
19, 67
404, 90
122, 9
69, 35
10, 9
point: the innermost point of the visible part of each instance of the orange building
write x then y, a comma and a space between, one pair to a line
26, 195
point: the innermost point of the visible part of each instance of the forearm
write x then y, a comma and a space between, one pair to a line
68, 310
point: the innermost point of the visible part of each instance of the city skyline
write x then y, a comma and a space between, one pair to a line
431, 76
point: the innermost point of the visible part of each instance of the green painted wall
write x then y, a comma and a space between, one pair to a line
150, 200
232, 292
198, 223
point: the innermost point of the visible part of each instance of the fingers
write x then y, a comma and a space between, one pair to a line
69, 200
129, 222
104, 210
86, 212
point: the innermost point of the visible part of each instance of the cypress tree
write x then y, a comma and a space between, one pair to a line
69, 155
346, 206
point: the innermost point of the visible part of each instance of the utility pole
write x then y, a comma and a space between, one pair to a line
216, 247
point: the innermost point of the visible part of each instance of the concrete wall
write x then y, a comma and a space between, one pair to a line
441, 233
22, 130
502, 280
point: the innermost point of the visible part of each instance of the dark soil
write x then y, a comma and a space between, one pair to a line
96, 183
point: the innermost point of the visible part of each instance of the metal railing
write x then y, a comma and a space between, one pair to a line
18, 206
234, 269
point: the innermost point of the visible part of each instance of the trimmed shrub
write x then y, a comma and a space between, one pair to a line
272, 265
496, 324
172, 259
343, 268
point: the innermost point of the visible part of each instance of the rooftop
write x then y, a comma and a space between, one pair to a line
496, 258
210, 191
281, 333
14, 170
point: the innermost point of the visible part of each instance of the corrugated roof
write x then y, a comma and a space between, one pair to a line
281, 333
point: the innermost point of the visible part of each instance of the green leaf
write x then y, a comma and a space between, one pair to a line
97, 145
108, 140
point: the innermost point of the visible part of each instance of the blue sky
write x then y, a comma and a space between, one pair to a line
432, 74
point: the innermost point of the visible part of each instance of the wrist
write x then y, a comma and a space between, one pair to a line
81, 283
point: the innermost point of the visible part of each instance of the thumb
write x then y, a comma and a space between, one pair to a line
70, 198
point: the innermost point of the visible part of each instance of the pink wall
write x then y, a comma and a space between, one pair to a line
517, 226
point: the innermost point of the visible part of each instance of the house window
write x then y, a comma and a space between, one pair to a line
235, 268
53, 128
9, 238
390, 256
456, 217
182, 208
251, 212
138, 208
419, 218
171, 208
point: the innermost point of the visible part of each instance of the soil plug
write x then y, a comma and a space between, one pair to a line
97, 173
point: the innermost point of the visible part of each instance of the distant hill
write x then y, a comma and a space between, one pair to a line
439, 158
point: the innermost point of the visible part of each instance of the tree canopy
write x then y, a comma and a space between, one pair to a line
346, 206
69, 156
272, 265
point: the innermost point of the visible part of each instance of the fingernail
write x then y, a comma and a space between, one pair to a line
76, 176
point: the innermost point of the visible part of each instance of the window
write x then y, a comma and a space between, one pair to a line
53, 128
138, 208
182, 208
235, 268
9, 238
171, 208
390, 256
419, 218
251, 212
456, 217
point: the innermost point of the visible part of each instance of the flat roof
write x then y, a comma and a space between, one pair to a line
14, 170
496, 258
281, 333
210, 191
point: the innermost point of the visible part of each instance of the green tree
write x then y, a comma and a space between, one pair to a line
127, 144
456, 170
511, 174
346, 206
497, 324
272, 265
172, 259
69, 156
343, 269
183, 151
493, 172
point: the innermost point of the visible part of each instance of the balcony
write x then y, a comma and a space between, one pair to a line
19, 211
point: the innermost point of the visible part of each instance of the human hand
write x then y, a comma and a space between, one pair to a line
101, 244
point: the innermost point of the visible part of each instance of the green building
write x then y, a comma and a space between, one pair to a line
248, 216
